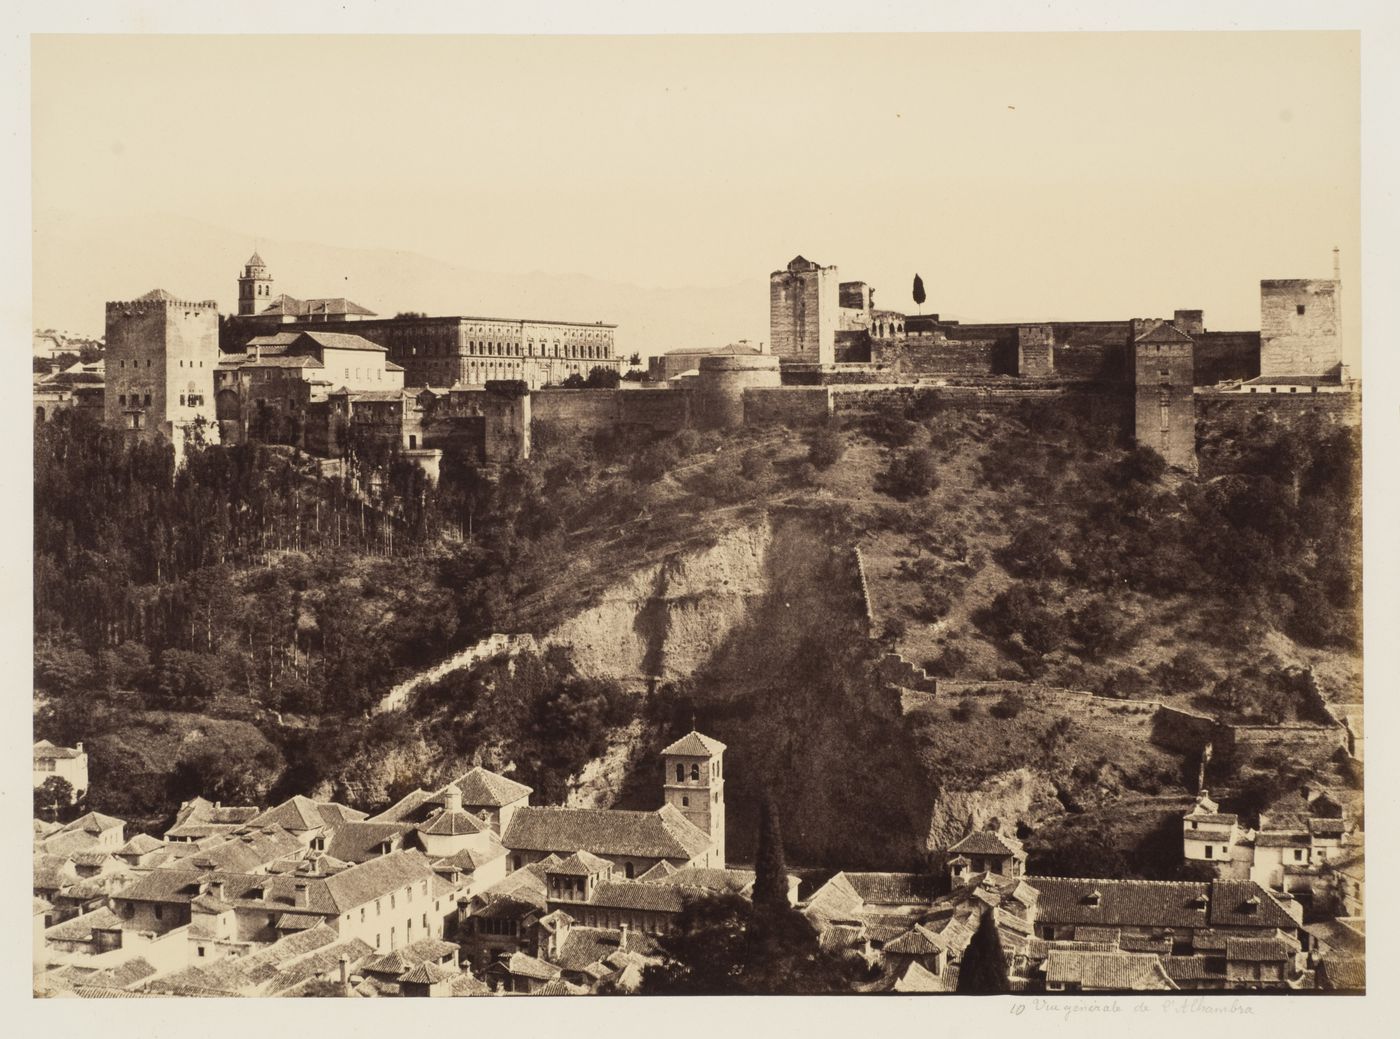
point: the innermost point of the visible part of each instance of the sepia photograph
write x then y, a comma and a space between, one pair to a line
698, 515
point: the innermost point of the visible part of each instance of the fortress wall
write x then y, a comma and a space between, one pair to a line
930, 355
787, 405
1229, 414
665, 411
583, 411
1222, 356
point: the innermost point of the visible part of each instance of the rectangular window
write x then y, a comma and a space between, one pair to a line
1302, 309
1210, 852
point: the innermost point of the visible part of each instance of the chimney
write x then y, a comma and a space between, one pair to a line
345, 972
300, 896
217, 804
218, 889
452, 801
622, 937
78, 746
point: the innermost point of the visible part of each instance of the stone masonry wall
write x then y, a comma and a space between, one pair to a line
787, 405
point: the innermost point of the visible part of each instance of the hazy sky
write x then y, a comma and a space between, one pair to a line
1023, 176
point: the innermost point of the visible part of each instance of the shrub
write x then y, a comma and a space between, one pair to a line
966, 710
1185, 673
1009, 706
756, 465
1127, 683
825, 447
910, 474
1032, 552
948, 664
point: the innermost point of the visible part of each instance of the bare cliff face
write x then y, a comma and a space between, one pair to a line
1003, 801
666, 620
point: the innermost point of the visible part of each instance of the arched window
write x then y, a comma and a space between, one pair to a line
680, 772
627, 870
694, 773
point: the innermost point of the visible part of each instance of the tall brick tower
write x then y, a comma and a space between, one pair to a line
804, 312
254, 286
1164, 405
694, 783
160, 360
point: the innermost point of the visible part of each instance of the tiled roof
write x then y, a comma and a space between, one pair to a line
451, 824
1282, 840
341, 340
360, 841
510, 907
586, 946
469, 859
736, 881
428, 973
124, 975
632, 894
1256, 949
1153, 903
891, 888
918, 979
321, 962
582, 864
1164, 333
1342, 974
400, 960
369, 396
466, 985
1213, 819
300, 813
1108, 971
520, 964
141, 844
484, 789
696, 745
1339, 935
367, 881
275, 361
291, 306
983, 842
662, 834
243, 853
915, 942
155, 295
404, 809
44, 750
560, 987
658, 872
255, 260
94, 823
1193, 968
80, 928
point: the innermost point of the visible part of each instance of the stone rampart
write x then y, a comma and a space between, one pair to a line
787, 405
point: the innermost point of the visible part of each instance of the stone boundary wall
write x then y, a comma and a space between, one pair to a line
787, 405
897, 670
865, 599
1176, 729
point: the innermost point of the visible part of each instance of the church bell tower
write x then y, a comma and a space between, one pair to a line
694, 785
254, 286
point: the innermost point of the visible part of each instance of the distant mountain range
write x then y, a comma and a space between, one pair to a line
82, 262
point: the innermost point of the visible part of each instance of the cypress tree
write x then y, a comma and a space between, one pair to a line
919, 296
983, 970
770, 886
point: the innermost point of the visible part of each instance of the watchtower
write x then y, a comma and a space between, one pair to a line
160, 360
804, 312
254, 286
1164, 405
694, 784
1300, 327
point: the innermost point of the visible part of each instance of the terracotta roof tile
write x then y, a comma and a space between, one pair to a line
662, 834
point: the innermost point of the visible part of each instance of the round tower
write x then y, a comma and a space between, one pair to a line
254, 286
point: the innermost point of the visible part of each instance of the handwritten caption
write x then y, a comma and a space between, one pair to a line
1072, 1008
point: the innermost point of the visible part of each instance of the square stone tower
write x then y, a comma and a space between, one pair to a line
1300, 327
804, 312
694, 784
161, 357
1164, 405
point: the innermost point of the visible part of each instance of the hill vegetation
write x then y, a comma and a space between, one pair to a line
227, 626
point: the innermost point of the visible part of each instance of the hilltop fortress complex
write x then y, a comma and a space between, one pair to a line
325, 374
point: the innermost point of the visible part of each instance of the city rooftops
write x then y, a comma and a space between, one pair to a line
44, 750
